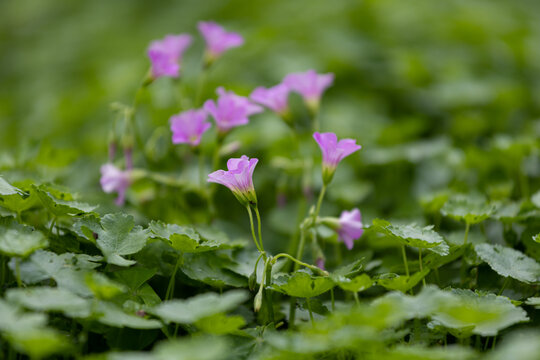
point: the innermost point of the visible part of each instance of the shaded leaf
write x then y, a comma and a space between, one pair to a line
61, 203
302, 284
469, 209
509, 262
50, 299
20, 240
401, 282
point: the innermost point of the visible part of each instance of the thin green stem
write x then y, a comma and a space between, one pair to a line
170, 288
356, 299
201, 169
259, 227
404, 254
301, 263
506, 281
18, 271
420, 263
332, 299
53, 221
318, 207
253, 229
310, 312
200, 86
267, 291
467, 226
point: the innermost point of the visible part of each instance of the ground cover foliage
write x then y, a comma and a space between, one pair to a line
442, 98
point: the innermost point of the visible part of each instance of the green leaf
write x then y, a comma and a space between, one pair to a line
61, 203
535, 199
21, 202
220, 324
194, 348
301, 284
509, 262
533, 301
21, 241
181, 238
8, 189
28, 333
68, 270
211, 269
50, 299
413, 235
102, 287
417, 352
200, 306
356, 284
522, 345
111, 315
536, 238
117, 236
471, 210
401, 282
485, 315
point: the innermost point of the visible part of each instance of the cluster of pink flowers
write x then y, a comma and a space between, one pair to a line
231, 110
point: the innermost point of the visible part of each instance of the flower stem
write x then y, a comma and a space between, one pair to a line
300, 250
356, 299
506, 280
310, 312
420, 262
300, 263
201, 169
170, 288
318, 207
200, 86
467, 226
259, 227
405, 260
253, 229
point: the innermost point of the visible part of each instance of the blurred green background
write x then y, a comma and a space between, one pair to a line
437, 92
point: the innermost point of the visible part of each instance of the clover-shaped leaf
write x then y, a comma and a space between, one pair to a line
469, 209
199, 307
509, 262
401, 282
61, 203
182, 238
301, 284
413, 235
21, 241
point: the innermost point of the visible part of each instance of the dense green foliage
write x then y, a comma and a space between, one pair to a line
444, 98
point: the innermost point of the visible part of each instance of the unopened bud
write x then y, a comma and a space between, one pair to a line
257, 302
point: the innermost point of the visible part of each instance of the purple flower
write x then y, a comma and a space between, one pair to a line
350, 227
218, 40
320, 262
333, 152
238, 178
310, 85
188, 127
115, 180
275, 98
165, 55
230, 110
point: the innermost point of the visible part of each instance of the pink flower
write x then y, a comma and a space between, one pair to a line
350, 227
230, 110
115, 180
320, 262
217, 39
165, 55
188, 126
310, 85
333, 152
238, 178
275, 98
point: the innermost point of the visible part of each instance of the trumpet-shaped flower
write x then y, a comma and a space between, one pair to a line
217, 39
310, 85
165, 55
189, 126
238, 178
333, 152
115, 180
230, 110
350, 227
275, 98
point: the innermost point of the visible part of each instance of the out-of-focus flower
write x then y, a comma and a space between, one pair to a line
333, 152
320, 262
310, 85
166, 55
238, 178
115, 180
189, 126
230, 110
218, 40
350, 227
275, 98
